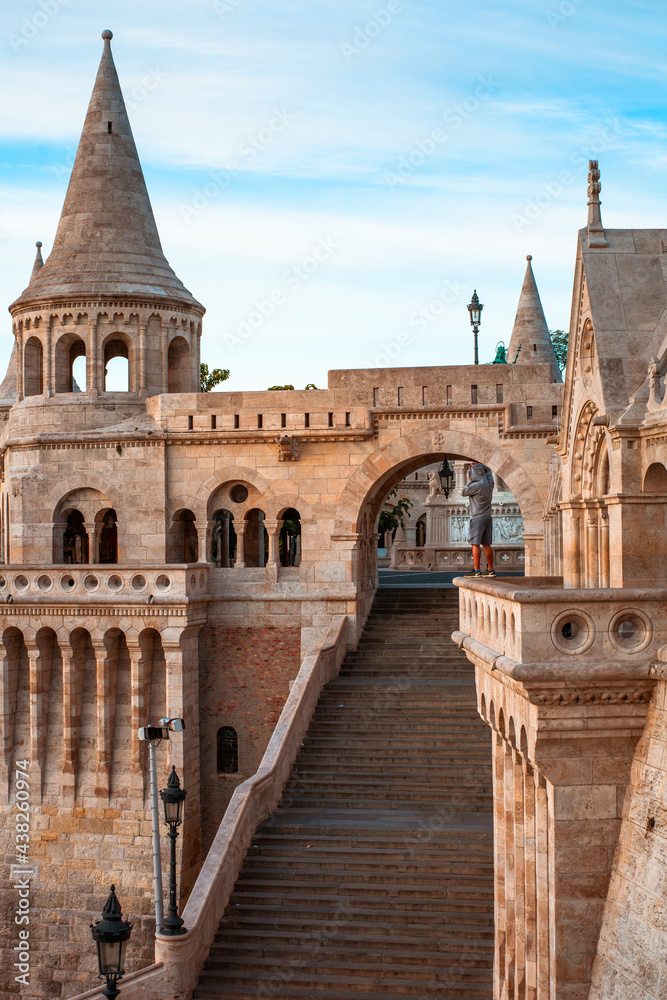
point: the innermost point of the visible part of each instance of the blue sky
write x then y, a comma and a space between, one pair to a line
364, 165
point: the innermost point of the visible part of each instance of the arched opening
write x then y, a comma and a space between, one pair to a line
116, 366
256, 540
290, 538
655, 480
178, 363
108, 537
75, 539
223, 539
183, 540
420, 532
70, 367
227, 750
33, 367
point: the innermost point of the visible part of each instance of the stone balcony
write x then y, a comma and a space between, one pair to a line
103, 583
454, 557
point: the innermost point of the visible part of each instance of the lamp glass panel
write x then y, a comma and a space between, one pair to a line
109, 957
123, 949
171, 811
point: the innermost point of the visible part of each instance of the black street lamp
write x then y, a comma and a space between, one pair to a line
173, 797
475, 309
111, 935
446, 474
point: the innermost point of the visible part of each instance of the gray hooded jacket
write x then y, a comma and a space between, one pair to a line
479, 490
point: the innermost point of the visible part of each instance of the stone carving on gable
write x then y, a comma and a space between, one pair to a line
288, 448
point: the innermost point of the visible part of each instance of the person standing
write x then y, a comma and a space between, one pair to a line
479, 490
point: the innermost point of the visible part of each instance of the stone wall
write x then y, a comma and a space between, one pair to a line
245, 676
632, 950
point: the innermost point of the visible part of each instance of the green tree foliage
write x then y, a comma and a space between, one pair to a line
559, 339
272, 388
393, 514
209, 379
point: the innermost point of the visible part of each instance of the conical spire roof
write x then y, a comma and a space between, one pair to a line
107, 244
530, 332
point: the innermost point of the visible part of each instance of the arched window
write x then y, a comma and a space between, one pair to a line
108, 538
178, 363
183, 541
290, 538
256, 539
70, 364
33, 357
223, 539
75, 539
655, 480
116, 367
227, 750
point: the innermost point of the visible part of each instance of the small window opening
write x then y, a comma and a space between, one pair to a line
499, 394
400, 395
260, 421
534, 347
449, 395
529, 412
110, 128
214, 422
376, 397
424, 388
554, 412
283, 420
306, 420
347, 419
237, 423
331, 420
227, 750
473, 394
191, 422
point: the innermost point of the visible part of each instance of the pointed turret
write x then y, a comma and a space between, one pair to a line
530, 342
39, 262
107, 244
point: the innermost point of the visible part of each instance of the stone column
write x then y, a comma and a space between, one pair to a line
240, 544
140, 378
273, 564
19, 361
72, 694
140, 678
181, 655
40, 680
107, 672
592, 549
204, 541
48, 359
604, 548
94, 363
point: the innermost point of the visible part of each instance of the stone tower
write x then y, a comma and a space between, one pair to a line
530, 342
106, 290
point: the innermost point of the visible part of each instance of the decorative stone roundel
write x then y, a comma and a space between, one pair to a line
572, 632
239, 493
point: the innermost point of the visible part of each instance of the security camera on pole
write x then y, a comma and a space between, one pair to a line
153, 735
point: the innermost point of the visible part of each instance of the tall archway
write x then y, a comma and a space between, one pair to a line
256, 541
178, 364
223, 539
290, 538
68, 350
33, 367
118, 373
107, 528
182, 538
76, 543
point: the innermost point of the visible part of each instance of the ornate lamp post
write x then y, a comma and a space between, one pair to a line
475, 309
111, 935
446, 474
173, 797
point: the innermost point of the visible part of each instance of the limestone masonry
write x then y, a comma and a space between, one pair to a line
214, 556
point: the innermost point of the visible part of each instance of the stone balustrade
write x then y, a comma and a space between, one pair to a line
103, 582
454, 557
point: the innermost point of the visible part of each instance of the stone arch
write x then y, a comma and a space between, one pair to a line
120, 345
33, 367
581, 449
68, 348
91, 503
655, 479
492, 714
183, 537
229, 476
179, 367
386, 467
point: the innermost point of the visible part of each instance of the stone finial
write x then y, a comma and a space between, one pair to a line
39, 263
596, 236
107, 35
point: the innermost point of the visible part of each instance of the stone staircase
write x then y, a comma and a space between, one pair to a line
375, 876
